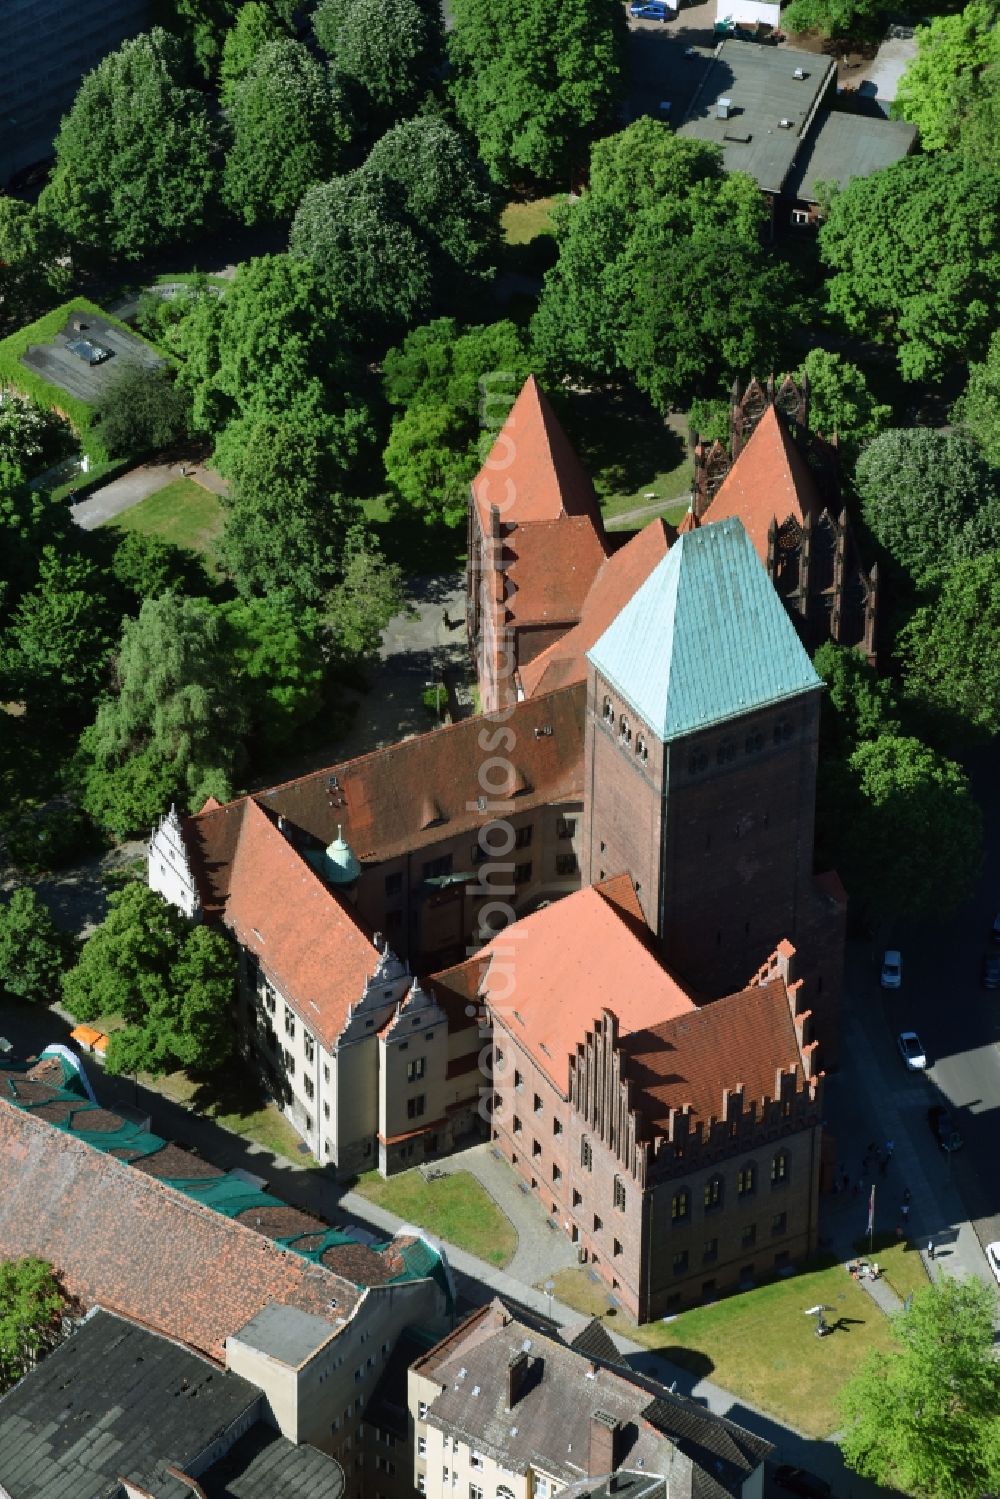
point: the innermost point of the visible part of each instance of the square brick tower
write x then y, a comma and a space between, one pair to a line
700, 779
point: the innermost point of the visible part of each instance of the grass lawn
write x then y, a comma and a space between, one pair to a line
236, 1105
903, 1267
633, 455
759, 1344
521, 222
455, 1207
182, 513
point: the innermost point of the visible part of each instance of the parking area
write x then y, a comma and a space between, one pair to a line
667, 61
57, 363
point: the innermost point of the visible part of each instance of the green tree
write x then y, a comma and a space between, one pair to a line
661, 274
369, 594
840, 399
141, 409
256, 26
147, 566
285, 517
277, 655
202, 25
189, 1023
124, 965
450, 386
914, 252
949, 648
953, 68
839, 18
32, 438
54, 652
902, 828
32, 951
356, 235
978, 409
858, 704
135, 165
388, 52
924, 1418
31, 275
536, 84
30, 520
174, 729
445, 192
289, 124
31, 1307
928, 498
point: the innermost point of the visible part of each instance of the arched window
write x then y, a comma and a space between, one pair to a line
779, 1168
783, 729
609, 712
680, 1207
713, 1192
624, 731
746, 1180
641, 748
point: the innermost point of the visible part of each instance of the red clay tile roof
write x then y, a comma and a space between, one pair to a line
532, 472
770, 480
690, 1058
123, 1240
307, 938
542, 959
617, 579
381, 798
620, 892
550, 566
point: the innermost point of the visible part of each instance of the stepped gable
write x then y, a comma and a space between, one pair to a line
123, 1240
305, 936
690, 1058
380, 798
769, 480
545, 956
706, 638
617, 579
532, 472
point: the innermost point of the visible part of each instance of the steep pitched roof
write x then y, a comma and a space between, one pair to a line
126, 1241
306, 937
689, 1058
617, 579
770, 480
551, 569
553, 986
705, 639
532, 472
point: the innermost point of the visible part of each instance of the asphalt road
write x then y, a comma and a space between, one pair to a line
958, 1022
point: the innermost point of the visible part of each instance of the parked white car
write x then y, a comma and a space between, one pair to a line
911, 1051
892, 969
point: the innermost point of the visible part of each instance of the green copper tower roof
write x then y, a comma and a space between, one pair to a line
705, 639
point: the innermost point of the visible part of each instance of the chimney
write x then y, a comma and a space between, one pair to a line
517, 1377
605, 1444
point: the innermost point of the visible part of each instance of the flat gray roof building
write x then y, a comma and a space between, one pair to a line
847, 146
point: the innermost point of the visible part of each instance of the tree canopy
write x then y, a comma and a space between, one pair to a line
956, 70
661, 274
978, 409
369, 593
928, 497
388, 52
858, 705
135, 165
535, 84
32, 951
949, 648
914, 252
30, 271
840, 399
141, 409
277, 657
924, 1418
172, 984
289, 124
31, 1307
441, 381
255, 26
834, 18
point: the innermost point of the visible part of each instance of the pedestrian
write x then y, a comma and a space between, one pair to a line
930, 1249
905, 1211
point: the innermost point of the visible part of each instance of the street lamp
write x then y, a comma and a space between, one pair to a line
549, 1287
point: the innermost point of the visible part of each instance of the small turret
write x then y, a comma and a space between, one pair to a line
340, 865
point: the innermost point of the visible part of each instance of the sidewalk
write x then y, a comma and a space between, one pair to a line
137, 485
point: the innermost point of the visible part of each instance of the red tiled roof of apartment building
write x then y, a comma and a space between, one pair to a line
380, 799
121, 1239
551, 985
770, 480
614, 583
532, 472
306, 937
549, 567
690, 1058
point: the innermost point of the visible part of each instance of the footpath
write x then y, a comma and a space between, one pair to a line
130, 489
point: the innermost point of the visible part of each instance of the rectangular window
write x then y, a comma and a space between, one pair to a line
416, 1069
522, 874
310, 1048
289, 1064
475, 1459
326, 1073
416, 1106
435, 868
475, 1492
565, 827
289, 1024
518, 1082
586, 1155
536, 1149
566, 864
421, 1446
421, 1410
421, 1483
577, 1199
749, 1236
556, 1174
681, 1262
557, 1128
619, 1194
617, 1247
326, 1111
309, 1086
779, 1223
516, 1125
522, 837
711, 1251
393, 884
598, 1223
269, 1002
537, 1105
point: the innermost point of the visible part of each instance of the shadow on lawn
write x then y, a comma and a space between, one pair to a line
622, 442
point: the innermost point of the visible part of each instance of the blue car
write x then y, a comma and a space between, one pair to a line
653, 11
